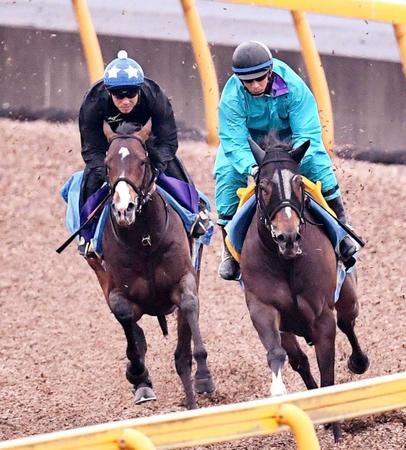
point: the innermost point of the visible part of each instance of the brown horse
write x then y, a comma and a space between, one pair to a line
147, 267
288, 267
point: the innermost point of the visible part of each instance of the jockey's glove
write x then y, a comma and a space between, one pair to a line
254, 171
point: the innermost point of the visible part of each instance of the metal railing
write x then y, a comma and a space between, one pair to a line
229, 422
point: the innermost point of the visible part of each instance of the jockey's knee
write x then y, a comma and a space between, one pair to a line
93, 178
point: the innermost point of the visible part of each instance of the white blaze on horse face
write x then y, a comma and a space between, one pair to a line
283, 182
288, 212
124, 196
278, 386
123, 152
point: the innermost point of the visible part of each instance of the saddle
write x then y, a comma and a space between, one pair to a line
184, 199
237, 228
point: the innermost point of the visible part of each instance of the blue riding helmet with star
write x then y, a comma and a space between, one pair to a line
123, 73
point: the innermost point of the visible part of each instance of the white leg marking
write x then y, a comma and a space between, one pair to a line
278, 387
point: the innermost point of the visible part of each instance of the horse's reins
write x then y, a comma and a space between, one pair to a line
144, 193
142, 197
268, 212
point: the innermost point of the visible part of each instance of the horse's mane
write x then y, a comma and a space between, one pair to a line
128, 128
271, 143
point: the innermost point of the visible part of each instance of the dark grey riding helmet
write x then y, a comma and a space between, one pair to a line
251, 60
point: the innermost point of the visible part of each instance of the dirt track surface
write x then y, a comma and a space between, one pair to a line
63, 353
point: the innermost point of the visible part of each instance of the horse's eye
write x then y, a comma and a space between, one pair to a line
142, 163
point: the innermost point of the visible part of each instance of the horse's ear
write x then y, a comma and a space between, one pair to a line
298, 153
108, 132
257, 151
297, 185
145, 131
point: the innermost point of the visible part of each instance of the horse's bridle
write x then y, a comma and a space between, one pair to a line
145, 190
268, 212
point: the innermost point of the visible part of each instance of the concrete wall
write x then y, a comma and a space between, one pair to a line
42, 70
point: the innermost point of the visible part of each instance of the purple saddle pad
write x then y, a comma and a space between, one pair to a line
91, 203
184, 193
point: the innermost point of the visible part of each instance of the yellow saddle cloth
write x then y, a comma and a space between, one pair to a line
245, 193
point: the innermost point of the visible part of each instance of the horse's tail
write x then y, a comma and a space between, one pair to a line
163, 324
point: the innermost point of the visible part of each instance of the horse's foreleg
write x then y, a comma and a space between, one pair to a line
298, 359
347, 311
189, 309
266, 321
101, 274
137, 373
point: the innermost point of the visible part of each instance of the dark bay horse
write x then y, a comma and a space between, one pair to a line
288, 268
147, 267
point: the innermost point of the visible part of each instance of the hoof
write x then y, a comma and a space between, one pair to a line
358, 364
143, 394
204, 385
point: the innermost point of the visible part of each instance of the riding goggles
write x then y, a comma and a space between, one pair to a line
261, 78
124, 93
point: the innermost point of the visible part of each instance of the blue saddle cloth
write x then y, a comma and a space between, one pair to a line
185, 204
237, 229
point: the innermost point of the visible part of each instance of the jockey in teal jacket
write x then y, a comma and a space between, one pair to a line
265, 95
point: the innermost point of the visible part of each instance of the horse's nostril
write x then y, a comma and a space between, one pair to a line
130, 207
281, 238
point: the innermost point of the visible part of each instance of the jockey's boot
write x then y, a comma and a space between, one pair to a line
86, 249
203, 221
347, 246
229, 269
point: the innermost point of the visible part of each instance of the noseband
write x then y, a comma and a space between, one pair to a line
144, 191
268, 212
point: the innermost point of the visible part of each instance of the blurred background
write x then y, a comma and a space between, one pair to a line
43, 70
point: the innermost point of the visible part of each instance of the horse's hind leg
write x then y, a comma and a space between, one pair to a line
137, 373
347, 311
188, 326
183, 359
323, 337
298, 359
266, 321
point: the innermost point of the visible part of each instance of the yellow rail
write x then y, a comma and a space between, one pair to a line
229, 422
317, 77
89, 40
392, 11
400, 33
206, 69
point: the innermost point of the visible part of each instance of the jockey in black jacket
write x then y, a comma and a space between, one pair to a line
125, 95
